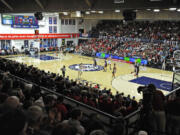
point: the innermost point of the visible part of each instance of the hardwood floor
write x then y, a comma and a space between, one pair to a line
120, 83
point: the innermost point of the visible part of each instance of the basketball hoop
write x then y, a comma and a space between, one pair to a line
176, 79
176, 56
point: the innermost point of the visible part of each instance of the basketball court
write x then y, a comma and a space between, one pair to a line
123, 82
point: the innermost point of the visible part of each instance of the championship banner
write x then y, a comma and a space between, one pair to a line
34, 36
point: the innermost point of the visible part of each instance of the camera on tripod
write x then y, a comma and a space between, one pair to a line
144, 89
148, 94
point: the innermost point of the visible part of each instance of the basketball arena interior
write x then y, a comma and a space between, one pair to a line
89, 67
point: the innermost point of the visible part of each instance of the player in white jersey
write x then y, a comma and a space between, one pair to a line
109, 63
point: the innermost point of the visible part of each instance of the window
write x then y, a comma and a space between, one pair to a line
62, 21
74, 22
66, 21
70, 22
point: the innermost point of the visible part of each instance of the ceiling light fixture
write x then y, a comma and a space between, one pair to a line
78, 13
100, 12
93, 11
178, 10
172, 9
87, 12
65, 13
156, 10
117, 10
135, 10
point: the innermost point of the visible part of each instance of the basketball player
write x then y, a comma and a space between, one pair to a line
95, 62
164, 65
63, 69
80, 70
64, 50
109, 63
136, 69
173, 64
105, 65
114, 71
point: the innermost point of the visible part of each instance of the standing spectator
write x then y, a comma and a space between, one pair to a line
159, 117
173, 115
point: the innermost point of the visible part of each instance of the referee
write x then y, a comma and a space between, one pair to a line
63, 69
137, 69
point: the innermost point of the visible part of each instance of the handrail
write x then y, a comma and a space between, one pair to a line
172, 91
137, 111
132, 114
82, 104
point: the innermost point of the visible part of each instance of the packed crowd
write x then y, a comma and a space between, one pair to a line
153, 41
25, 108
29, 97
86, 93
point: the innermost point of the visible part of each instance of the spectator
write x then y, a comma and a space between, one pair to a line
158, 106
61, 107
11, 102
74, 121
35, 117
93, 123
13, 122
98, 132
142, 133
64, 129
173, 115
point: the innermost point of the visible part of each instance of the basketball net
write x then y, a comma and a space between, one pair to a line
176, 57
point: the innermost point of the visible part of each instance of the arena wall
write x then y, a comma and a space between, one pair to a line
140, 15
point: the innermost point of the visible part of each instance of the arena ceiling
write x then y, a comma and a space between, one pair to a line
22, 6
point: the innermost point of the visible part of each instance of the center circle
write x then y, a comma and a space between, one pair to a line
86, 67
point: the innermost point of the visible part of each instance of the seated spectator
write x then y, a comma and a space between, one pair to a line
64, 129
93, 123
74, 121
61, 107
35, 117
54, 117
11, 102
142, 133
13, 122
98, 132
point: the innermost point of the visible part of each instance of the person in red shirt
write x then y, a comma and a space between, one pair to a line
61, 107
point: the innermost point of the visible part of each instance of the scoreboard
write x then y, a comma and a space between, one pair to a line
24, 22
7, 19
